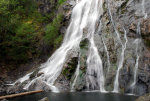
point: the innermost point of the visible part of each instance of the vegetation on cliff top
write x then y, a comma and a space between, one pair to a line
22, 27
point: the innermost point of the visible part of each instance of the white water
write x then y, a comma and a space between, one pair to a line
136, 42
121, 60
23, 79
143, 9
95, 75
108, 58
136, 64
94, 68
76, 75
84, 14
53, 67
113, 24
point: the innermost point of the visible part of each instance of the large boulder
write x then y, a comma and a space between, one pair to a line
144, 98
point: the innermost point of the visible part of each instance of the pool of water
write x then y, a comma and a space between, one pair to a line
76, 96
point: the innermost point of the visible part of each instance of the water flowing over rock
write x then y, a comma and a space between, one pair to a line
106, 48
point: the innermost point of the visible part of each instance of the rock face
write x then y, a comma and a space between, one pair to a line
145, 30
64, 80
80, 83
126, 15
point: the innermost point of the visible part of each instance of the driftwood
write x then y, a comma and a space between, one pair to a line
19, 94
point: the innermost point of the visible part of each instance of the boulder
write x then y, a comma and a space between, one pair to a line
4, 100
44, 99
144, 98
38, 84
15, 89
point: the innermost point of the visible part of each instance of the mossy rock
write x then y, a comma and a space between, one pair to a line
70, 68
84, 44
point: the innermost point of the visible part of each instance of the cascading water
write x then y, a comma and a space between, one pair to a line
113, 24
108, 58
121, 59
52, 68
143, 9
95, 76
136, 42
84, 15
94, 68
105, 47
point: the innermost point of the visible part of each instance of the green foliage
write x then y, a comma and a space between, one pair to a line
69, 70
19, 24
58, 41
61, 1
22, 27
52, 36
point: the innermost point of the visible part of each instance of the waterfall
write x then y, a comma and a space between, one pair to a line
136, 65
136, 42
85, 14
95, 76
94, 68
143, 9
21, 80
53, 67
108, 58
113, 24
76, 74
121, 60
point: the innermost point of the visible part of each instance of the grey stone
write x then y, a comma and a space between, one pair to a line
44, 99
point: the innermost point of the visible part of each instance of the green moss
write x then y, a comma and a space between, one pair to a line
61, 1
147, 42
70, 69
104, 6
107, 29
122, 90
34, 74
84, 44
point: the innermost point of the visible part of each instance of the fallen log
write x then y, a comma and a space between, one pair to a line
19, 94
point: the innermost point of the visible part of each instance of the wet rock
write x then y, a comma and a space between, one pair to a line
40, 85
4, 100
62, 83
144, 98
140, 89
80, 83
70, 68
44, 99
145, 28
15, 89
